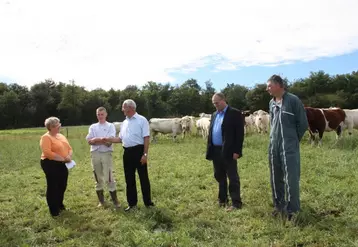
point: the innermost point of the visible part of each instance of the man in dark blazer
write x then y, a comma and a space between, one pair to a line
224, 147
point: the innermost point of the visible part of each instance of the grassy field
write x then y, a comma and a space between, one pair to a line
185, 192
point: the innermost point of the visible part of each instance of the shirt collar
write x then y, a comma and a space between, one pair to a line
134, 116
223, 111
283, 96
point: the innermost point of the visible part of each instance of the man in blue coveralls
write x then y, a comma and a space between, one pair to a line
288, 123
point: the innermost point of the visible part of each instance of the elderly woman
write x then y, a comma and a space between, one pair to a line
56, 152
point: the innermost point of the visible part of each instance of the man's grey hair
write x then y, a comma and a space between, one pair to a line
277, 80
220, 95
130, 103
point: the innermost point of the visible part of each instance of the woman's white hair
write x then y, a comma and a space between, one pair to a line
130, 103
51, 122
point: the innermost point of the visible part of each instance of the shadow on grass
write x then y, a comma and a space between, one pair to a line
157, 219
11, 236
343, 143
326, 220
78, 223
346, 143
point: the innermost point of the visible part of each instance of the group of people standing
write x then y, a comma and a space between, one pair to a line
288, 123
134, 136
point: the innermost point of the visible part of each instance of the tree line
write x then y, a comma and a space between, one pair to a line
28, 107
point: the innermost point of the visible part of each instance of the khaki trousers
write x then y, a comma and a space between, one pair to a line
102, 165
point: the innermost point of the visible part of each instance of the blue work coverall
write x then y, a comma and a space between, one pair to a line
288, 122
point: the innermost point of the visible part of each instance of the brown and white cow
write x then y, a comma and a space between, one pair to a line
351, 121
321, 120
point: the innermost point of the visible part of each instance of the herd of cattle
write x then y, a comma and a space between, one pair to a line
319, 119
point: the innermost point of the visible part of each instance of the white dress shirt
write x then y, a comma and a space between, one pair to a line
101, 130
134, 130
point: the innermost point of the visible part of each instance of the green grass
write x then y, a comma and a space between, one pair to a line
185, 192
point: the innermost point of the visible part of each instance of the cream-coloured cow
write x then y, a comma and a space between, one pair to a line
118, 126
203, 125
186, 125
351, 121
192, 123
249, 123
262, 121
198, 127
204, 115
165, 126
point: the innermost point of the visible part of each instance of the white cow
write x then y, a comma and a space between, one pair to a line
186, 125
198, 127
249, 123
351, 121
165, 126
204, 115
262, 121
192, 123
203, 125
118, 126
259, 112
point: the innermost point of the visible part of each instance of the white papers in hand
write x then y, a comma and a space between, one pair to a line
70, 164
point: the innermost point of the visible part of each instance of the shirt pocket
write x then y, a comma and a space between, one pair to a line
289, 113
288, 118
136, 129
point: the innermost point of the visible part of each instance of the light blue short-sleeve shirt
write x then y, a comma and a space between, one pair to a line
134, 130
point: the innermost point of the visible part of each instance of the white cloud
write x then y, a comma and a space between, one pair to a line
115, 43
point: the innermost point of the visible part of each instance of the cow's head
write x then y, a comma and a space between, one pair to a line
259, 113
185, 123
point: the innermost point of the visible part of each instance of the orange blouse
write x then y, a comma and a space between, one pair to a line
51, 145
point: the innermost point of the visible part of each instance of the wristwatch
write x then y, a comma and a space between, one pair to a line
145, 154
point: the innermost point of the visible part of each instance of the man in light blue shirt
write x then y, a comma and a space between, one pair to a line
217, 132
134, 135
224, 147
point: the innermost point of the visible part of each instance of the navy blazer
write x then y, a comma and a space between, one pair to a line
232, 134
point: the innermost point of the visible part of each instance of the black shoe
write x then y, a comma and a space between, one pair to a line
150, 205
237, 205
289, 216
55, 214
130, 208
276, 212
222, 204
62, 208
232, 208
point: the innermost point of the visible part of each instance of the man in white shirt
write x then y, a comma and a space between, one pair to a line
101, 156
134, 135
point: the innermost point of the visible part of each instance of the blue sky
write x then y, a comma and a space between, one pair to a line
116, 43
249, 76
